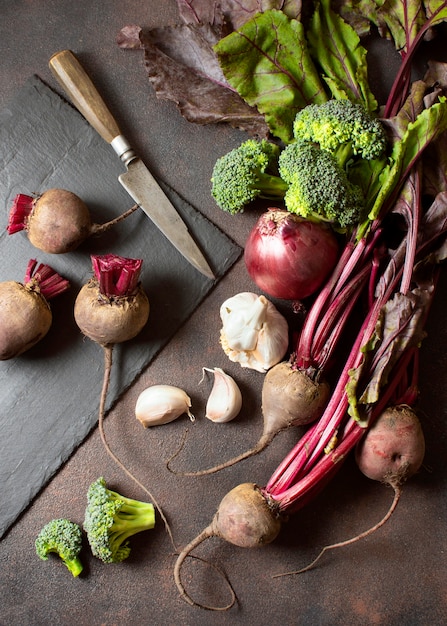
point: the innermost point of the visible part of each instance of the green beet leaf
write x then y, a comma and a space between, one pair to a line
429, 125
400, 22
267, 61
335, 48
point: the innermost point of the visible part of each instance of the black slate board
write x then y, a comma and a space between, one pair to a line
50, 395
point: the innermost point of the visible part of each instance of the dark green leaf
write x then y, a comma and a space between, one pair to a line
267, 62
428, 126
336, 48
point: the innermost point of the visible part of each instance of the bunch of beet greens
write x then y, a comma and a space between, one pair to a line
390, 262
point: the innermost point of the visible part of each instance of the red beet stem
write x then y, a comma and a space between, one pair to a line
318, 455
295, 493
402, 80
116, 275
21, 209
331, 310
46, 279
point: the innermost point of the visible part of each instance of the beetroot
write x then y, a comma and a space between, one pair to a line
112, 307
291, 398
393, 448
56, 221
25, 315
244, 518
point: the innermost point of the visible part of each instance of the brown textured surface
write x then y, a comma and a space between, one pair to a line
398, 576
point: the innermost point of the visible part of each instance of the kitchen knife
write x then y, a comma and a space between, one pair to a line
137, 180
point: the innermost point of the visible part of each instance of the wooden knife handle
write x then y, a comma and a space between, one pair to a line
83, 93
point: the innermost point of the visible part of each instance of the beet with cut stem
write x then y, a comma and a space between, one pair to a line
108, 310
25, 315
109, 320
56, 221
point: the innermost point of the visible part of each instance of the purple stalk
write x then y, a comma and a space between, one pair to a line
400, 87
327, 308
21, 209
44, 279
333, 322
117, 276
331, 309
304, 347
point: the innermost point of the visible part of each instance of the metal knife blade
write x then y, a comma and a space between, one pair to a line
145, 190
137, 180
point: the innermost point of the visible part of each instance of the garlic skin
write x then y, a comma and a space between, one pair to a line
254, 333
225, 400
161, 404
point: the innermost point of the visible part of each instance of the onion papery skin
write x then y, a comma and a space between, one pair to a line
289, 257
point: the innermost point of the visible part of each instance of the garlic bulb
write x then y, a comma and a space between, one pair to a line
225, 400
254, 333
160, 404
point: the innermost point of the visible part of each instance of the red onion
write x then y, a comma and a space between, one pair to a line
289, 257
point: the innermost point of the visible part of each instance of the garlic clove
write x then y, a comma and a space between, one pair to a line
273, 341
161, 404
225, 400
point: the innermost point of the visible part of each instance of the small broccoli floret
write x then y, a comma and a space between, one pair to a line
246, 173
64, 538
341, 127
319, 188
110, 519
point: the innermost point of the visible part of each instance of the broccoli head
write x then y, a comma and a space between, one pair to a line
246, 173
319, 188
64, 538
341, 127
110, 519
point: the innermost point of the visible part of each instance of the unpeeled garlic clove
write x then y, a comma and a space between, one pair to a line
225, 400
161, 404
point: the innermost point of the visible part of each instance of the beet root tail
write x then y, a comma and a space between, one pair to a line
348, 542
263, 442
206, 533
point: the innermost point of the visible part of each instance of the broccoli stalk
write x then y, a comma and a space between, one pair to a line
64, 538
110, 519
246, 173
